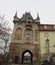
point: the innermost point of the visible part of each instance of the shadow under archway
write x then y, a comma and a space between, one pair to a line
27, 57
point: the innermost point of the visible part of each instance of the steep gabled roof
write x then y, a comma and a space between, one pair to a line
25, 16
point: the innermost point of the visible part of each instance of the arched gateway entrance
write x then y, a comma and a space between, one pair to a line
27, 57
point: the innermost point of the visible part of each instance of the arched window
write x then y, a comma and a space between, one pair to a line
18, 34
27, 57
28, 36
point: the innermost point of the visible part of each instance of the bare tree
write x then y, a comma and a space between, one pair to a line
5, 35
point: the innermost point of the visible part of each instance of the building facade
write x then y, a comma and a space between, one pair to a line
31, 40
25, 46
47, 31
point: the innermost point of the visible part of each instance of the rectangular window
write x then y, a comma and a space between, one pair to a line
36, 35
28, 40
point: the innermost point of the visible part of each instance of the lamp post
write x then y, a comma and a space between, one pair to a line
48, 51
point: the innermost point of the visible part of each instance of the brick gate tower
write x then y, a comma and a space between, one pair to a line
25, 47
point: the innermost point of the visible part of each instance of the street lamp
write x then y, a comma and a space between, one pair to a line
48, 51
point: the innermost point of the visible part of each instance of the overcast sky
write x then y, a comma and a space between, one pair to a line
45, 8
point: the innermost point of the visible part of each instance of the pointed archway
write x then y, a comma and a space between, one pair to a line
27, 57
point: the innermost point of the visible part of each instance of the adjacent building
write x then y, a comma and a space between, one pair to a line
47, 31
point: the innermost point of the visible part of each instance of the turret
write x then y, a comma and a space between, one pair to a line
16, 19
37, 20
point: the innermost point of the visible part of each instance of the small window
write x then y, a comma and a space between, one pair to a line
36, 35
54, 26
28, 36
35, 32
45, 27
46, 34
28, 40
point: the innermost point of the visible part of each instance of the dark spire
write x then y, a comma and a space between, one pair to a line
15, 18
38, 16
37, 20
16, 14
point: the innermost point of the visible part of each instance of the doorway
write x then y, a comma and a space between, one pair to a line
16, 60
27, 57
